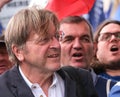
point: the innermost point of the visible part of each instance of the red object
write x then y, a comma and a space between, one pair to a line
64, 8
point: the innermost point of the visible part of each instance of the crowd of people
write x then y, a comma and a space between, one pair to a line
78, 50
41, 56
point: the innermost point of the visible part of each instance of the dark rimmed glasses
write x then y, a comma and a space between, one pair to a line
107, 36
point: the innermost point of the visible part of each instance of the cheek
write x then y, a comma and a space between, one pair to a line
90, 52
5, 58
65, 50
65, 47
89, 49
100, 52
101, 46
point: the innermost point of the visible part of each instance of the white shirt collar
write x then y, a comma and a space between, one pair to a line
57, 83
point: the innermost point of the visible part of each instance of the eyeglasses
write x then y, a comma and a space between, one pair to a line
107, 36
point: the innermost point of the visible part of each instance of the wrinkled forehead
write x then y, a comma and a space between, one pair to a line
46, 32
75, 29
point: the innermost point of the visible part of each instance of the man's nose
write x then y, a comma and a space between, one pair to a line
55, 43
113, 38
77, 44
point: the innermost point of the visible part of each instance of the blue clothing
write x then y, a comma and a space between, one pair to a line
100, 84
117, 14
115, 91
114, 78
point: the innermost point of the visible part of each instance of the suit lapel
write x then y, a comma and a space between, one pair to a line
70, 85
18, 85
21, 89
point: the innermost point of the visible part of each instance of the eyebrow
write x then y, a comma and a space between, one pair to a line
110, 32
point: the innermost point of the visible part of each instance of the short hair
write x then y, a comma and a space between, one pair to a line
23, 23
76, 20
101, 26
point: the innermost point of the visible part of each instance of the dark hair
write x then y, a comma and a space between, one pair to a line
96, 65
77, 19
101, 26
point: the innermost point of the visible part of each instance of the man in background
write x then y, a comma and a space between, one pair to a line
32, 40
77, 49
107, 57
5, 63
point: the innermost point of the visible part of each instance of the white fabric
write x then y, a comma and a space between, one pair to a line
56, 89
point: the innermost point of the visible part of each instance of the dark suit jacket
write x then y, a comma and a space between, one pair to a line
13, 85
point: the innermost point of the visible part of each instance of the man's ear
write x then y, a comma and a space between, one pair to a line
18, 52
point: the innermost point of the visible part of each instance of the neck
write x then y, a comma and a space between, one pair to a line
113, 72
44, 79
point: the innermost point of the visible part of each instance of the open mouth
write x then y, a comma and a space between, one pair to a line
114, 48
77, 55
53, 55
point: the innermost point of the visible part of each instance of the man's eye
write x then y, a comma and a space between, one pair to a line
85, 39
43, 40
106, 37
57, 36
69, 39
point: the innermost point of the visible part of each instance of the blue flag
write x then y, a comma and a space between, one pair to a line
96, 15
117, 14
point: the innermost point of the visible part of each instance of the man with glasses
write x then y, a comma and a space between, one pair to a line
5, 64
107, 59
32, 42
77, 49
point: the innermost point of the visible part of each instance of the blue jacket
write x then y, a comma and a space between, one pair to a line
115, 91
100, 84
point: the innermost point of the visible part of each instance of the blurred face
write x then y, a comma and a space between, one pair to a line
41, 54
5, 64
108, 47
76, 45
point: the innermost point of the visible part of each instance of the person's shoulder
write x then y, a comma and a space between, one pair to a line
105, 80
83, 80
4, 76
76, 72
8, 75
103, 85
71, 68
115, 91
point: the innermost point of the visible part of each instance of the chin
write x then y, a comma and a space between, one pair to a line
78, 65
57, 67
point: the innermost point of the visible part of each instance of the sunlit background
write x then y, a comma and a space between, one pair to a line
102, 10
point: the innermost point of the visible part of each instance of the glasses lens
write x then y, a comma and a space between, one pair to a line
107, 36
104, 36
117, 35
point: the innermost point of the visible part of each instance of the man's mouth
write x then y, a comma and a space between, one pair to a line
114, 48
77, 55
53, 55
